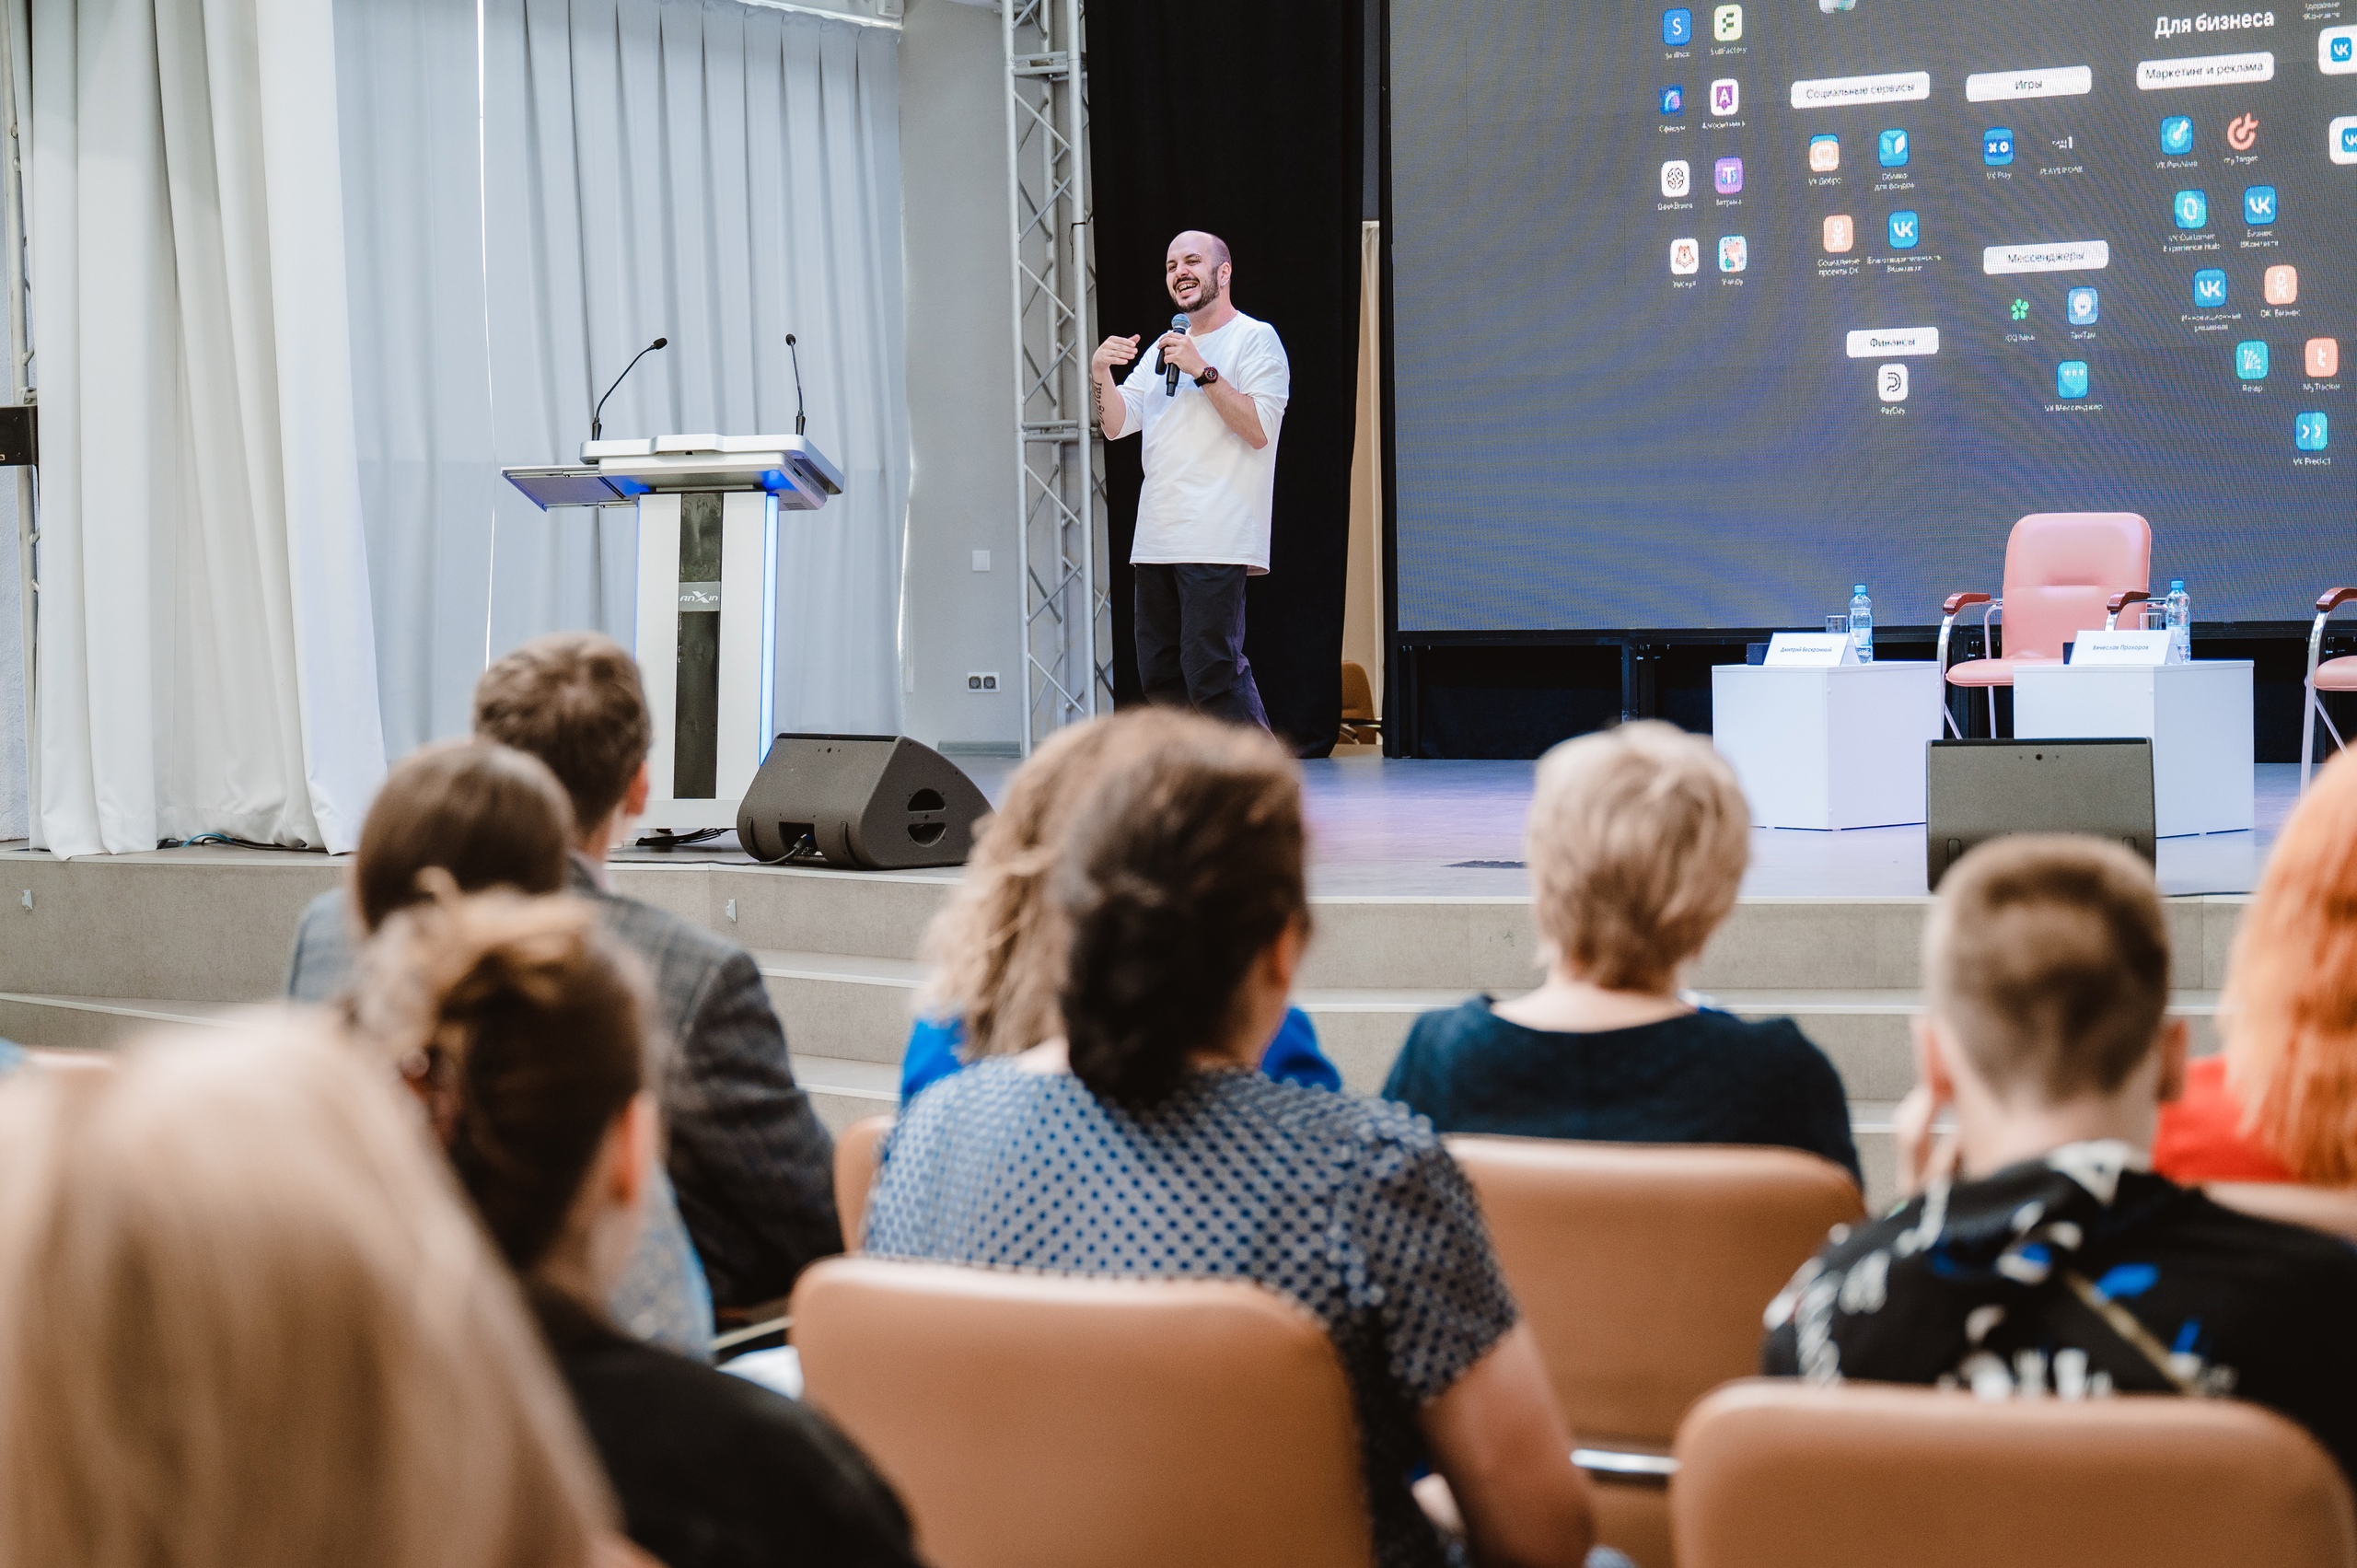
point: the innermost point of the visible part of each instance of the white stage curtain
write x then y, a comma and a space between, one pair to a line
406, 80
711, 172
207, 661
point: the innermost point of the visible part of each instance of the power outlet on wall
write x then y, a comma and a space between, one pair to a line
981, 680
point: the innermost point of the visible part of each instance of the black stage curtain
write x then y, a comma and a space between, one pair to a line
1244, 119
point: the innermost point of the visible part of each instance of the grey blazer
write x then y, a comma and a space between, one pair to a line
753, 1167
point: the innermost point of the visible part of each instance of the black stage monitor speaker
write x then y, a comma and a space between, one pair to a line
877, 802
1984, 789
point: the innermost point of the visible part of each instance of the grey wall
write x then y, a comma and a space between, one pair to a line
14, 807
961, 395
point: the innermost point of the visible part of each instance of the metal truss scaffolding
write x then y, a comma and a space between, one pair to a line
1067, 613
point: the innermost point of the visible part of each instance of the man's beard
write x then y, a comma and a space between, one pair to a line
1209, 298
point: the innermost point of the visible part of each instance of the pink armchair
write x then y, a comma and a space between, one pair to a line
2065, 573
2332, 674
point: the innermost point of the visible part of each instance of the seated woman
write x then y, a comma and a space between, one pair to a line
244, 1324
487, 816
998, 943
2279, 1103
1181, 884
520, 1025
1637, 842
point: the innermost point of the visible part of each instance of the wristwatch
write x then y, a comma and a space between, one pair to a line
1210, 375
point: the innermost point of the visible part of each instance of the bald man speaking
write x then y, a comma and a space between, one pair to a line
1211, 463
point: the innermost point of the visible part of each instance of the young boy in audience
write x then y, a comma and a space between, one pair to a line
2038, 1255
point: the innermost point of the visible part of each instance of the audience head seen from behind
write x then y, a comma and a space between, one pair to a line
486, 814
2046, 970
1183, 884
521, 1026
1637, 842
244, 1323
2288, 1011
573, 700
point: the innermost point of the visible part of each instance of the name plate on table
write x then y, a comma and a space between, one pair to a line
2145, 648
1810, 650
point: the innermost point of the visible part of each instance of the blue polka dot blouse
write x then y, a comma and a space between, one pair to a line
1349, 1206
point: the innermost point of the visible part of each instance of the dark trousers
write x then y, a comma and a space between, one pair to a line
1190, 641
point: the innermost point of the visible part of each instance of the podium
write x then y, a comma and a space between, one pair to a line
706, 637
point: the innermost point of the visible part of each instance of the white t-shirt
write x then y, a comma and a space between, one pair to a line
1206, 496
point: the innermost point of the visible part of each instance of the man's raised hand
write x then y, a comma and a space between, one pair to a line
1113, 352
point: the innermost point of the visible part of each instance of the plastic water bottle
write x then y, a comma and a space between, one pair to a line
2178, 616
1861, 624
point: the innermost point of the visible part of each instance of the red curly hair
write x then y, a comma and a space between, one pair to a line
2289, 1010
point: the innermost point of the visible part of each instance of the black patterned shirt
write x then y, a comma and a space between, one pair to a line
2075, 1276
1349, 1206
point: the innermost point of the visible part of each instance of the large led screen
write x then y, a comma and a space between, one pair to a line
1703, 312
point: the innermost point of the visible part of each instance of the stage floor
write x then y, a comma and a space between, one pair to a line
1386, 828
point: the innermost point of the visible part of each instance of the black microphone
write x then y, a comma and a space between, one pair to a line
1166, 365
596, 420
798, 417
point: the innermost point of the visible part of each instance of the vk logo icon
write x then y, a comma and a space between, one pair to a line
2070, 378
2080, 306
1673, 99
2258, 206
2340, 51
1891, 146
1905, 230
1678, 27
2176, 135
1996, 146
2191, 209
2309, 432
2209, 289
2250, 361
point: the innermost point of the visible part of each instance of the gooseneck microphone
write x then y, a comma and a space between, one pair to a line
1169, 366
596, 416
798, 417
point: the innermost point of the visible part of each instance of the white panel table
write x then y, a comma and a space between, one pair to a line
1840, 746
2197, 716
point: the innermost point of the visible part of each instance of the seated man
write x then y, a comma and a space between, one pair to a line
753, 1168
2038, 1254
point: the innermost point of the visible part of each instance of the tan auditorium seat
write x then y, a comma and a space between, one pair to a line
858, 1151
1034, 1421
1645, 1270
1779, 1475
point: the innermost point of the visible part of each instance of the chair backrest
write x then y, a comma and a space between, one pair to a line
1358, 692
1039, 1420
1781, 1475
2062, 569
1644, 1268
858, 1149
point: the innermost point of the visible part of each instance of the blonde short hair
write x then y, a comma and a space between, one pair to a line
1638, 839
246, 1323
2047, 957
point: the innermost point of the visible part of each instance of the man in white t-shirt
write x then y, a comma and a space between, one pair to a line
1211, 460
